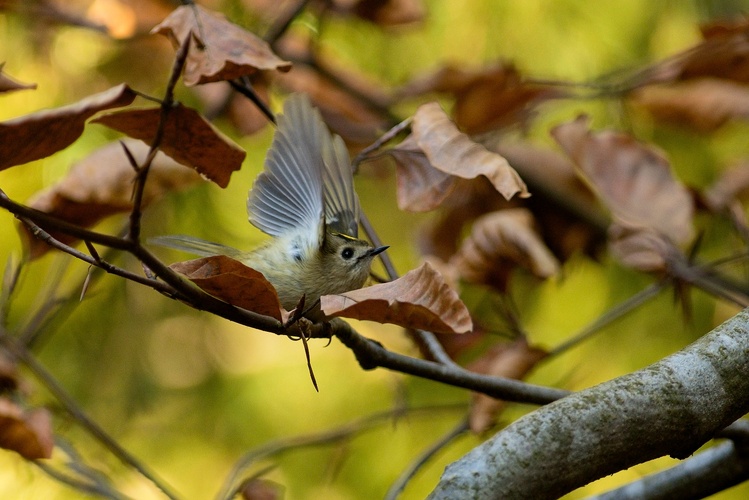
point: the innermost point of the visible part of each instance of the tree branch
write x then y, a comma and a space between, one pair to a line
669, 408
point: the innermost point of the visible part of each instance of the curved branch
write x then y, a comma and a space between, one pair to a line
705, 474
371, 354
669, 408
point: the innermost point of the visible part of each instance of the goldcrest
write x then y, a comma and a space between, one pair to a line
305, 200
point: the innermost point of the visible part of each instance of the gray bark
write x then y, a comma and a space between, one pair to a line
669, 408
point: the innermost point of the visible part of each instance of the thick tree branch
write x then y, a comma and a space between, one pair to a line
669, 408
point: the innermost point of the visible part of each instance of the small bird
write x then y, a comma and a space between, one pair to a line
305, 199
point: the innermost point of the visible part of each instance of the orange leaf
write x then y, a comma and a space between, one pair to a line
101, 185
9, 84
419, 299
27, 433
454, 153
188, 138
43, 133
633, 180
224, 50
233, 282
498, 243
513, 361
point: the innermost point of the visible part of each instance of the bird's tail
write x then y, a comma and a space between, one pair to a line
194, 245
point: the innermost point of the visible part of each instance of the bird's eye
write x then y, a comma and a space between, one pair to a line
347, 253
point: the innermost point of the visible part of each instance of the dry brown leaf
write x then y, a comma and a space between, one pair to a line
640, 248
233, 282
224, 51
390, 12
499, 242
485, 99
633, 180
513, 361
420, 299
43, 133
188, 138
430, 160
568, 215
723, 54
455, 153
732, 185
346, 115
262, 489
28, 433
420, 186
8, 373
468, 200
704, 104
101, 185
10, 84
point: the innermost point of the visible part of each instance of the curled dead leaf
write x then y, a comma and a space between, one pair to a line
262, 489
566, 211
499, 242
722, 54
101, 185
703, 104
187, 137
224, 51
43, 133
485, 99
28, 433
640, 248
455, 153
732, 185
420, 187
511, 360
436, 154
633, 180
233, 282
10, 84
420, 299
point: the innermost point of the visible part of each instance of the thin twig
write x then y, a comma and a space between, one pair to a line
71, 407
371, 354
397, 487
282, 24
609, 317
244, 87
427, 342
78, 484
166, 106
346, 431
382, 140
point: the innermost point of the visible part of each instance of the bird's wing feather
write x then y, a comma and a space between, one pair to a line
288, 195
341, 202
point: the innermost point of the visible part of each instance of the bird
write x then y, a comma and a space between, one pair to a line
305, 200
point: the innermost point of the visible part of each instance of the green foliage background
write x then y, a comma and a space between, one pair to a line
188, 393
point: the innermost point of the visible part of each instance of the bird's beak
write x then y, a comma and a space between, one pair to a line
377, 250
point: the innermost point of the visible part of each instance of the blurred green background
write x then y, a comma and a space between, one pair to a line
189, 394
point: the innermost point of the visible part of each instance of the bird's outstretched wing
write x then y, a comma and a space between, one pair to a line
307, 180
288, 196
